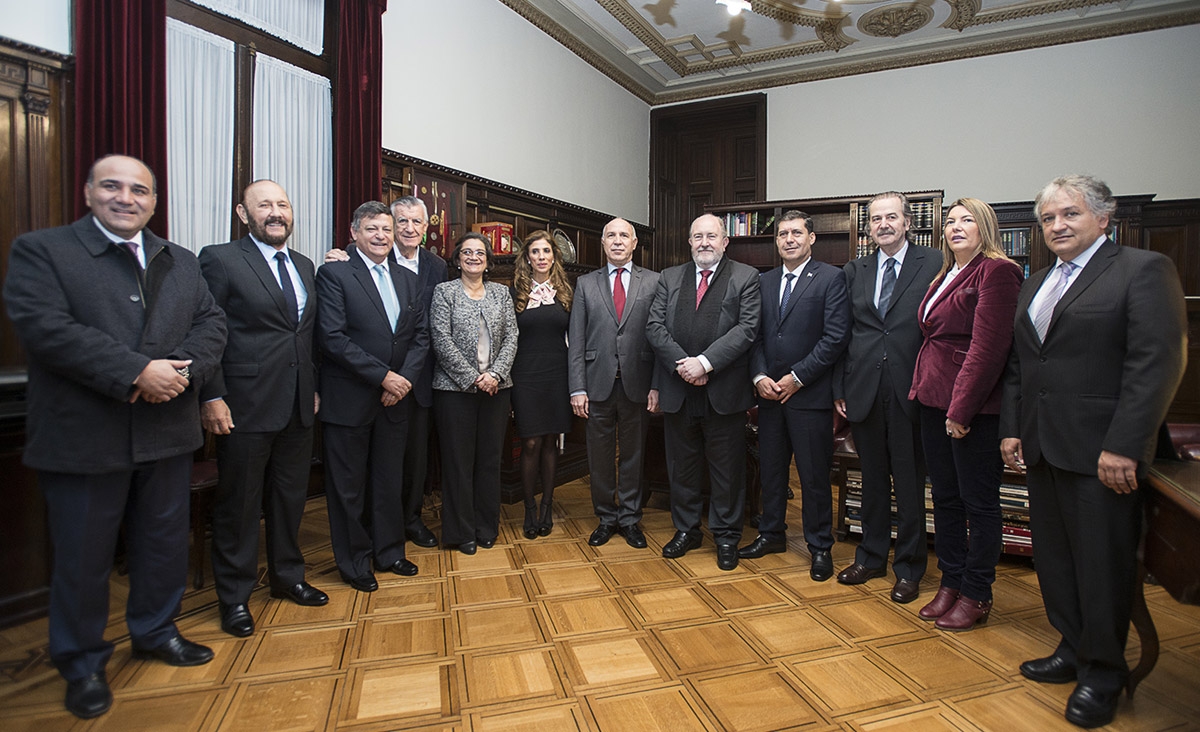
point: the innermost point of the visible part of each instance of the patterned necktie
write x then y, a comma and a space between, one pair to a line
703, 288
390, 304
889, 284
1041, 321
619, 293
787, 293
289, 290
132, 248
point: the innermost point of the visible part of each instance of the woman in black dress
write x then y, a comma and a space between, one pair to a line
540, 397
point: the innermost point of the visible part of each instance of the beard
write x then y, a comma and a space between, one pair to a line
260, 231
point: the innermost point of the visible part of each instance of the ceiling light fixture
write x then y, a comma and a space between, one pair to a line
734, 7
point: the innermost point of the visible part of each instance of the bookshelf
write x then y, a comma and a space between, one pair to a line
840, 224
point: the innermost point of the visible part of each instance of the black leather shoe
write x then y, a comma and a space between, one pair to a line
727, 557
822, 565
301, 593
761, 547
467, 547
1049, 670
682, 543
88, 697
634, 536
402, 567
602, 534
485, 543
178, 651
1089, 707
856, 574
365, 583
421, 536
905, 591
236, 620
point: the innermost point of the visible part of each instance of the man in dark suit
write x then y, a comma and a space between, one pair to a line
412, 221
1098, 352
373, 334
805, 327
117, 323
260, 404
610, 372
702, 323
871, 388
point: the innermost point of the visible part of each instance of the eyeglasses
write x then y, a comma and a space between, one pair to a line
473, 254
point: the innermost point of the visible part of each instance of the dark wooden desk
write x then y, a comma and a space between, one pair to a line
1170, 549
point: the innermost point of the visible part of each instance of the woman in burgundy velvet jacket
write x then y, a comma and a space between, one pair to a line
967, 321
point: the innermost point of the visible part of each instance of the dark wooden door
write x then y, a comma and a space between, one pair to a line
705, 153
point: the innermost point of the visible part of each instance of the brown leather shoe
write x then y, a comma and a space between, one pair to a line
856, 574
940, 604
965, 614
905, 591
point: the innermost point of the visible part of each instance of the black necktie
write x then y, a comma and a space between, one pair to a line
787, 293
889, 284
289, 291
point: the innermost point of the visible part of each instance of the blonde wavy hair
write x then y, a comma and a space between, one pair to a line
523, 273
989, 233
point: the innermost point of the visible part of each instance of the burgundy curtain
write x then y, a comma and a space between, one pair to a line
358, 112
121, 89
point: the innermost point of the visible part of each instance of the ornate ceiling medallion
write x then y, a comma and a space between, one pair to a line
892, 21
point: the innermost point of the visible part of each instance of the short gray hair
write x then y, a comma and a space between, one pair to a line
1096, 194
410, 202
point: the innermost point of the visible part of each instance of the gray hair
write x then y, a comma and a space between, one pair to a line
410, 202
905, 206
1096, 194
369, 210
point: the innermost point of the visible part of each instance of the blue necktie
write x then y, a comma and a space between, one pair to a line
787, 293
390, 303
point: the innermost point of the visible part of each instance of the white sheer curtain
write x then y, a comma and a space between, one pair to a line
299, 22
293, 146
200, 119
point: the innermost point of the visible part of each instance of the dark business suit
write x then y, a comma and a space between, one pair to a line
968, 333
364, 441
431, 273
874, 379
1103, 379
705, 424
267, 380
611, 361
91, 320
806, 339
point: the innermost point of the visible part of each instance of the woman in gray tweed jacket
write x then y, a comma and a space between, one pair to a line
473, 328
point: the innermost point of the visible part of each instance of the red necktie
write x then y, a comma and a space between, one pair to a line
703, 288
619, 294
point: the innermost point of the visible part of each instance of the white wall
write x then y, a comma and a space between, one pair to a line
474, 86
43, 23
1126, 109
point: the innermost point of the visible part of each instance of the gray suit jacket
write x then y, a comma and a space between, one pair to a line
266, 358
729, 388
599, 345
90, 325
1112, 359
454, 328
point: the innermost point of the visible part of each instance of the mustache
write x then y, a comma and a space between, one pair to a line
275, 220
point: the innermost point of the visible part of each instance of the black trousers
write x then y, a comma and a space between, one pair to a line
85, 514
1085, 540
966, 475
416, 465
261, 474
364, 485
889, 449
616, 493
718, 440
471, 428
806, 434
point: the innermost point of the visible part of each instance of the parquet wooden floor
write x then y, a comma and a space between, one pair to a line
552, 634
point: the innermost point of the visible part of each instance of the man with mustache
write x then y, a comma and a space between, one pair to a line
260, 405
702, 323
870, 389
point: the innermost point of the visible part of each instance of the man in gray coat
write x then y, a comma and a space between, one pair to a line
610, 368
118, 325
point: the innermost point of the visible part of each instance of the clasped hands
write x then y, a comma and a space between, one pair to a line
395, 388
691, 370
777, 391
487, 383
160, 381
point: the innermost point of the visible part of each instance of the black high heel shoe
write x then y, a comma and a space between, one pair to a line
531, 521
546, 521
